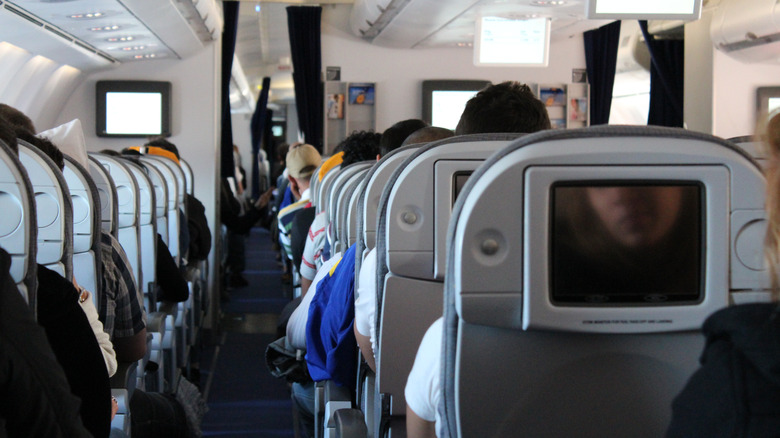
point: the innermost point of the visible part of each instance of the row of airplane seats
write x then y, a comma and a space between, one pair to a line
514, 356
129, 200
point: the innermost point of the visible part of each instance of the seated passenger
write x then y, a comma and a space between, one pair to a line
504, 107
736, 391
358, 146
301, 161
37, 399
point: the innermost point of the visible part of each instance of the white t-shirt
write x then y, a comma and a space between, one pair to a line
365, 299
296, 325
315, 242
422, 387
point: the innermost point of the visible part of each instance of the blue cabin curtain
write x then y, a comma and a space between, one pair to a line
601, 46
304, 23
257, 127
667, 72
228, 48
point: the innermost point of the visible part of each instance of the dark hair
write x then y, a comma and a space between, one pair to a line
395, 135
161, 142
359, 146
110, 153
16, 117
44, 144
505, 107
428, 134
7, 135
131, 152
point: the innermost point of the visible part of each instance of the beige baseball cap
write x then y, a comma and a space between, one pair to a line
302, 161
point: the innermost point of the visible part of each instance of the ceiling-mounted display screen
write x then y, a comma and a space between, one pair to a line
133, 108
687, 10
511, 42
444, 100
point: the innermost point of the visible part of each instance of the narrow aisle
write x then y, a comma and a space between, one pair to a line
243, 399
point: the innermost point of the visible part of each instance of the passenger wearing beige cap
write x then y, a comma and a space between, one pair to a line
301, 162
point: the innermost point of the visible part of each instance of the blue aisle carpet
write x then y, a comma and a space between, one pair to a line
243, 399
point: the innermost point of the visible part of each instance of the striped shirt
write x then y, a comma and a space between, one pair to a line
121, 307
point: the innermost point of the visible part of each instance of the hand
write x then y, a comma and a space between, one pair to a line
114, 408
264, 199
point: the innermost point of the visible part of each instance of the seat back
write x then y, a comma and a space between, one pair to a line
190, 177
174, 218
107, 194
314, 186
341, 193
368, 203
351, 221
128, 210
753, 146
54, 210
18, 228
147, 228
549, 322
86, 227
414, 212
162, 180
323, 188
335, 192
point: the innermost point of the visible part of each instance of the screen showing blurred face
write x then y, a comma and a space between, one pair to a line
636, 217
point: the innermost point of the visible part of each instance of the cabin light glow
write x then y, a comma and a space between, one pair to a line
86, 16
104, 28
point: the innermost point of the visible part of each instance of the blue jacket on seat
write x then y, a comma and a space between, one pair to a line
331, 348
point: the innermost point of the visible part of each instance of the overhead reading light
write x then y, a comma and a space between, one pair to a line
104, 28
548, 2
133, 48
87, 16
120, 39
147, 56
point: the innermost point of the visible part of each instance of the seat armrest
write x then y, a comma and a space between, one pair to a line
125, 377
349, 423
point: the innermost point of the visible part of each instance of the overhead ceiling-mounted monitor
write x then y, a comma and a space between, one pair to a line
504, 42
444, 100
133, 108
686, 10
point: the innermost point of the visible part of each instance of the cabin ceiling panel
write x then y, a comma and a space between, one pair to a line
106, 25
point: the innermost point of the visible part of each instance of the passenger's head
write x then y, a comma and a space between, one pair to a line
16, 117
131, 152
772, 149
161, 142
301, 162
359, 146
504, 107
44, 145
111, 153
395, 135
7, 135
427, 135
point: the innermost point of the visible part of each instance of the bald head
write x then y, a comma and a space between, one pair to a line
427, 135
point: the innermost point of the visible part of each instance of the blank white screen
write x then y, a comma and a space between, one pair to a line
505, 41
133, 113
447, 107
773, 103
645, 7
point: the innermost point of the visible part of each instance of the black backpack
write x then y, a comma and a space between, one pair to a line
200, 235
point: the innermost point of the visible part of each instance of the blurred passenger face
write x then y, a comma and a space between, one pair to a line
636, 217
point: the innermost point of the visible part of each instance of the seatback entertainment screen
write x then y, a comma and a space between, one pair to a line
638, 243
